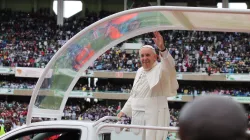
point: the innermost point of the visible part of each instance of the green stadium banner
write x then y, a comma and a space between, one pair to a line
7, 70
238, 77
6, 91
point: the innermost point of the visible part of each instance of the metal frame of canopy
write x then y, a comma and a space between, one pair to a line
182, 20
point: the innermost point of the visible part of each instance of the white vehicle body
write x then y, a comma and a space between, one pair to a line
78, 130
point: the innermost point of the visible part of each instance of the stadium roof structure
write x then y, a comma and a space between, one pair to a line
76, 55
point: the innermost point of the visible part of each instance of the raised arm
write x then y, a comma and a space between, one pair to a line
167, 65
167, 60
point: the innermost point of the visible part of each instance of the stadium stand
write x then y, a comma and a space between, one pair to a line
33, 38
29, 39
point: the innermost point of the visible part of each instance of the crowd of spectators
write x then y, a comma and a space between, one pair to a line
220, 88
15, 113
193, 51
105, 85
116, 59
31, 39
17, 85
185, 87
243, 92
203, 51
93, 113
174, 115
98, 111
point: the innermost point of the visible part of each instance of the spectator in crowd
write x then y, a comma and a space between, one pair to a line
213, 118
2, 131
174, 117
7, 126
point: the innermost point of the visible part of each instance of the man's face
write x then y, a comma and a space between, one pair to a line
148, 58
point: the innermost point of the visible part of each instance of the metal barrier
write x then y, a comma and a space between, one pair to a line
106, 125
170, 129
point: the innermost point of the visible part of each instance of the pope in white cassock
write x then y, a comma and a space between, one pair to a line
154, 82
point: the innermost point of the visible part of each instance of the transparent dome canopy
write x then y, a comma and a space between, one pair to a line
67, 65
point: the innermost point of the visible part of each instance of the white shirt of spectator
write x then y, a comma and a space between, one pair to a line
203, 92
185, 68
221, 52
195, 92
201, 48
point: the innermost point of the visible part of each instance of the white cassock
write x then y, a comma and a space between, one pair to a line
148, 104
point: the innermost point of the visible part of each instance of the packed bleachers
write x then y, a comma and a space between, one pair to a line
16, 113
213, 52
124, 86
116, 59
31, 39
8, 82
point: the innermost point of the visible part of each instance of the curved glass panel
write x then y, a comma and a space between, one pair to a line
83, 50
